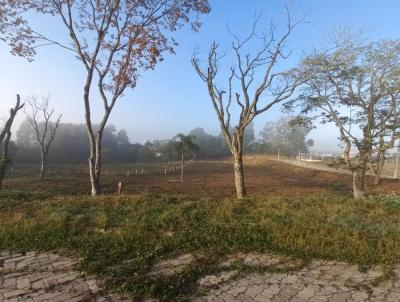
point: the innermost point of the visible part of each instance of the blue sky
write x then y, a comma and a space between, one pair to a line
171, 98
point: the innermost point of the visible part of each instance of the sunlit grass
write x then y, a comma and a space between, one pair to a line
121, 237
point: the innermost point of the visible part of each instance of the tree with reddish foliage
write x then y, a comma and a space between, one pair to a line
115, 40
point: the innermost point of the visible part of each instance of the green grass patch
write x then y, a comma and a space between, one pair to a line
120, 238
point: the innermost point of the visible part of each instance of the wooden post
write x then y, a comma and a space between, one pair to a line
119, 190
136, 172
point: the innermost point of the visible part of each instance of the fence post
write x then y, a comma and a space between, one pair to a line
396, 165
119, 190
299, 158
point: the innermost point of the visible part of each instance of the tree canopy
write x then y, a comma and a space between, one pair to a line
356, 87
286, 136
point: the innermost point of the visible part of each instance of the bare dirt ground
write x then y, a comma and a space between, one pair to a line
388, 183
49, 277
202, 178
322, 166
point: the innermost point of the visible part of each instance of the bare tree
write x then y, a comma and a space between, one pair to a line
39, 117
252, 99
362, 79
5, 136
114, 40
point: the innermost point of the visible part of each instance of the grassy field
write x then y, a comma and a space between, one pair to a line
292, 211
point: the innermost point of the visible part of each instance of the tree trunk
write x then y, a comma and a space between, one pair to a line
358, 183
94, 171
182, 166
4, 160
43, 166
380, 163
95, 164
5, 136
94, 142
3, 166
94, 179
239, 175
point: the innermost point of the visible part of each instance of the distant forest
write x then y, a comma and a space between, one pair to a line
70, 145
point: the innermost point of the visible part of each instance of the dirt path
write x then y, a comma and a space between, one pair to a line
311, 165
49, 277
321, 167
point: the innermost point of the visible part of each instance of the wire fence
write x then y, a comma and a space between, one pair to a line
125, 170
314, 160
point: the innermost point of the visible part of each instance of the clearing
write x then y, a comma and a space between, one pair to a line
300, 237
